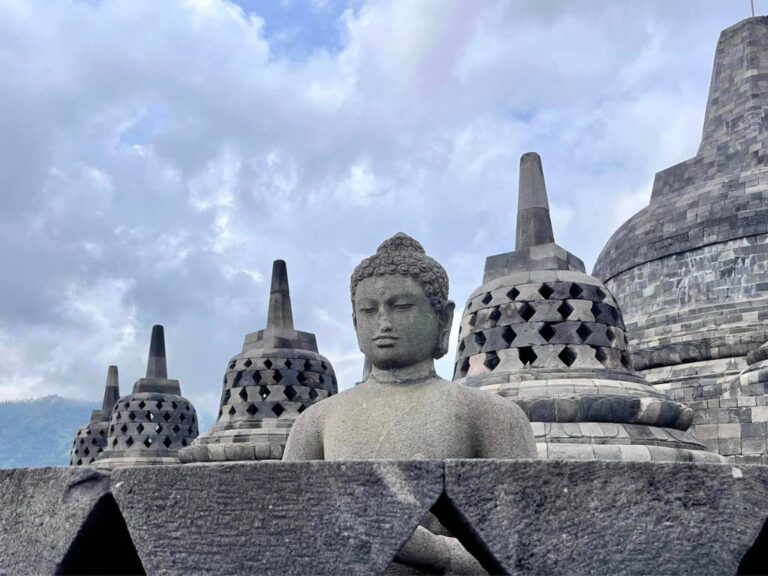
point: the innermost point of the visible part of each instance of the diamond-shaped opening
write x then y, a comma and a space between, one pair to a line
278, 376
82, 441
601, 356
167, 442
323, 365
129, 441
140, 428
312, 393
610, 334
187, 407
546, 290
600, 294
487, 298
268, 363
301, 377
183, 441
464, 367
231, 411
264, 391
114, 442
232, 365
462, 346
513, 294
174, 405
321, 378
149, 416
176, 428
182, 417
252, 409
526, 311
567, 356
565, 310
124, 428
495, 314
166, 416
148, 442
132, 416
527, 355
288, 364
469, 306
118, 416
625, 359
79, 462
584, 332
87, 432
159, 404
575, 290
480, 339
243, 393
86, 451
491, 360
290, 392
227, 396
142, 404
301, 408
237, 378
94, 441
248, 363
547, 332
127, 405
256, 377
158, 428
472, 319
278, 409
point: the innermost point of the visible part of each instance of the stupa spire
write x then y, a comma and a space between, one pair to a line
534, 226
156, 364
280, 315
111, 390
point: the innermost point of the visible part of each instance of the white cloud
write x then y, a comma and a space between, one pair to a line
157, 156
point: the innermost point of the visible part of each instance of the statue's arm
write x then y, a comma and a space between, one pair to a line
305, 441
502, 430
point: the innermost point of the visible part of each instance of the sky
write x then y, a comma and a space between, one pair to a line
156, 157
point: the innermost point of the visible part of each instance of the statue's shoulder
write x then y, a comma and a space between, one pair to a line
487, 400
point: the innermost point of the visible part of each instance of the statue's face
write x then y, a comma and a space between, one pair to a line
395, 322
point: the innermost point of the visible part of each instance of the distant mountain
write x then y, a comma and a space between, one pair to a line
40, 432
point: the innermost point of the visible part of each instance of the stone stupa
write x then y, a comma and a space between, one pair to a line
544, 333
278, 374
153, 423
91, 439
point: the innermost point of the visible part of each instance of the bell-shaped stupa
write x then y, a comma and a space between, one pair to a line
91, 439
150, 425
545, 334
277, 376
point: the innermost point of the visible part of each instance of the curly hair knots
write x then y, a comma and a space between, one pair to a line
401, 254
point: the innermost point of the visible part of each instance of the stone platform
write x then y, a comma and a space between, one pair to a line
516, 517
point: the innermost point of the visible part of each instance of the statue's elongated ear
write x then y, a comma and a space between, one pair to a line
446, 320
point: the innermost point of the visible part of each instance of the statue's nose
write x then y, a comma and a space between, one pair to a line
384, 324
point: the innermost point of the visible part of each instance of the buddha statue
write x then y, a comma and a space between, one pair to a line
404, 410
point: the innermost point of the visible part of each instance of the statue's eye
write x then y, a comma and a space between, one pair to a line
403, 306
367, 309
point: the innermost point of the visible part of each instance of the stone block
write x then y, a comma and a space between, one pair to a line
51, 517
598, 518
760, 414
275, 517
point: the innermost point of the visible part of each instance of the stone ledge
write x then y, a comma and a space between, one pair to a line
527, 516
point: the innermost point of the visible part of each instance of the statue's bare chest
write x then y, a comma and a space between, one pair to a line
420, 423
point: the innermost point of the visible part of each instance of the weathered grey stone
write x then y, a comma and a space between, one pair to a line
549, 517
153, 423
404, 410
540, 330
275, 518
91, 439
50, 517
278, 374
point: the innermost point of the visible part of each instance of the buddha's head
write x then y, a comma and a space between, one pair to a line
400, 305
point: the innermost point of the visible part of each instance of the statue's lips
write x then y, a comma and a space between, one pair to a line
384, 341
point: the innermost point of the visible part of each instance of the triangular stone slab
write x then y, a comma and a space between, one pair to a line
42, 511
274, 517
103, 545
587, 517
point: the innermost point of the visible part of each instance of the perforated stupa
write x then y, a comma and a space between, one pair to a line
91, 439
153, 423
278, 374
551, 337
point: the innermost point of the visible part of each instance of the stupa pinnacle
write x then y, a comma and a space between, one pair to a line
150, 425
549, 336
278, 374
91, 439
